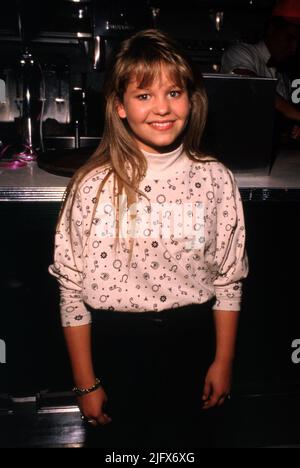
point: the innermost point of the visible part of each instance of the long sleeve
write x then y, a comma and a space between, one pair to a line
254, 57
230, 259
68, 264
238, 57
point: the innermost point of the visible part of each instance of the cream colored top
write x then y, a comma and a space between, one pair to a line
189, 242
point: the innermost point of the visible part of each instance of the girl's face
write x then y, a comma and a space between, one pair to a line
156, 115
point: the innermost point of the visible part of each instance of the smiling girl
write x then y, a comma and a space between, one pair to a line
151, 287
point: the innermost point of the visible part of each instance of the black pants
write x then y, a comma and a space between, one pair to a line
153, 366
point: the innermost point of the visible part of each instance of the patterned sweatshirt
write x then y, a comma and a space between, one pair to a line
188, 242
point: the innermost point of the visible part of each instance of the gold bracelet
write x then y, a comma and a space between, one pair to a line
85, 391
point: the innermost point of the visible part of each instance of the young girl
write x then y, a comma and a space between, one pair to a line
149, 255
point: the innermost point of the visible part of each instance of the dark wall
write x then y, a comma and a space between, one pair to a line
270, 318
36, 358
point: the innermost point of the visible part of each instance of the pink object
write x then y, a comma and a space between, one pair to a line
288, 9
27, 157
19, 159
13, 164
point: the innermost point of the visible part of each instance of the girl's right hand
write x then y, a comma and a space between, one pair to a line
91, 407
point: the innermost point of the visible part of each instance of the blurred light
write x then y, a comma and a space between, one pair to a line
217, 18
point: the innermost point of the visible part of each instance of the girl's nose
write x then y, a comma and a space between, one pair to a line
161, 106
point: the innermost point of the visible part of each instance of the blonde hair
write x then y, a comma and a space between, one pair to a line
140, 57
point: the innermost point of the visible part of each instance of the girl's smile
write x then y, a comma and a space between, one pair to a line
162, 126
156, 115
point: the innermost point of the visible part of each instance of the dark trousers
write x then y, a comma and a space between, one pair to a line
153, 366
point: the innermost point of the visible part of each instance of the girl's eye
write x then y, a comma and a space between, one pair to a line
175, 93
143, 97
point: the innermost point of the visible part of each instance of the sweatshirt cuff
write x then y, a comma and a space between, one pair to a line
73, 311
228, 297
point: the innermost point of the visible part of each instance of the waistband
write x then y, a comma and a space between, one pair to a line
161, 316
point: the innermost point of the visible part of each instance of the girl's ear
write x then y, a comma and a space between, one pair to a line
121, 109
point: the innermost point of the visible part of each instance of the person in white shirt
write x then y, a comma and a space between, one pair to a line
266, 59
141, 274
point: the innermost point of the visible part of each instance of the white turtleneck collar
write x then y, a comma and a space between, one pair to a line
164, 164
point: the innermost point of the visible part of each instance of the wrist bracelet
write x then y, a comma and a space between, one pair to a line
85, 391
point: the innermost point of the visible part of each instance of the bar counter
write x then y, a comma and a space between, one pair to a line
31, 183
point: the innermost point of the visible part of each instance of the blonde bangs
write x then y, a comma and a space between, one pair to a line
146, 72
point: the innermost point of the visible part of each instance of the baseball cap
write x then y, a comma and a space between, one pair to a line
288, 9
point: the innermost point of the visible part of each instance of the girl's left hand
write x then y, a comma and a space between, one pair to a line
217, 384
